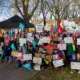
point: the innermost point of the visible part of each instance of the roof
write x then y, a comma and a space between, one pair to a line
14, 22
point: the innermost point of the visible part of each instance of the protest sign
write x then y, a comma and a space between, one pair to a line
31, 30
58, 63
39, 28
40, 42
30, 39
47, 28
22, 40
27, 56
61, 46
29, 34
78, 41
37, 67
68, 40
75, 65
14, 53
37, 60
46, 39
18, 54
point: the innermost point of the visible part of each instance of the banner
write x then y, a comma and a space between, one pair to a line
68, 40
58, 63
27, 56
61, 46
75, 65
78, 41
37, 60
39, 28
22, 40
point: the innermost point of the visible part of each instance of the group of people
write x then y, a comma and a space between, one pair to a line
47, 51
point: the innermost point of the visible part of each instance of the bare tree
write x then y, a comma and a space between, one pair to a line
26, 7
5, 7
59, 8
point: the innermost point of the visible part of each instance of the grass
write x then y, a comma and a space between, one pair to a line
56, 74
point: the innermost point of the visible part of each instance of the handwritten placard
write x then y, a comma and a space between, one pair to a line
39, 28
61, 46
37, 67
47, 28
30, 39
37, 60
68, 40
46, 39
27, 56
58, 63
78, 41
22, 40
75, 65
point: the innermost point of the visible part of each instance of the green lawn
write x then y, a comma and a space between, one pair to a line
56, 74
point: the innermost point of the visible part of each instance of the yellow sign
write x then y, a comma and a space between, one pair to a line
31, 30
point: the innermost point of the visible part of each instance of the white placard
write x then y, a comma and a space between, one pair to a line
29, 34
78, 41
68, 40
22, 40
46, 39
30, 39
61, 46
39, 28
37, 67
75, 65
47, 28
27, 56
37, 60
58, 63
40, 42
18, 54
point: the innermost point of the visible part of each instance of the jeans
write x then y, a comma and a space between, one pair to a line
9, 58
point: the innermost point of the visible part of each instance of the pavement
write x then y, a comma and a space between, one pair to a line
10, 72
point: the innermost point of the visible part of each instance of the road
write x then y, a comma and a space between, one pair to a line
10, 72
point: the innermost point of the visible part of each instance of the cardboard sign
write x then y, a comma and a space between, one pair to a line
38, 55
22, 40
61, 46
37, 67
49, 57
58, 63
75, 65
37, 60
68, 40
39, 28
30, 39
27, 56
47, 28
46, 39
78, 41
